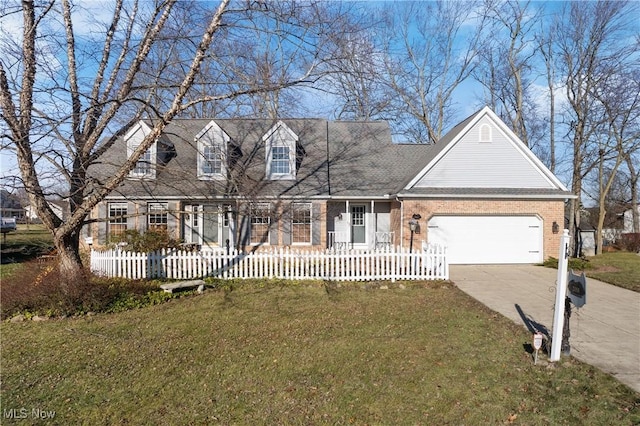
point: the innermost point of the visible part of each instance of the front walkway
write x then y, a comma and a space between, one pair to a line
604, 333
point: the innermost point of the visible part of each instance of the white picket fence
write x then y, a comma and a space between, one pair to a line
284, 263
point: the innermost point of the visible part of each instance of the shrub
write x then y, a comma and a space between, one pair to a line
577, 264
36, 290
630, 242
144, 242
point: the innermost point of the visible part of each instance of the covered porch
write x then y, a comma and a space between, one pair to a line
363, 224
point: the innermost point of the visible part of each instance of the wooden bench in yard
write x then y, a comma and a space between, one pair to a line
169, 287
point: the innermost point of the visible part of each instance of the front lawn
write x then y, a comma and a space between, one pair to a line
265, 353
618, 268
27, 242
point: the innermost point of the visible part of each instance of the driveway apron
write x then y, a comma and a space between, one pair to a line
605, 332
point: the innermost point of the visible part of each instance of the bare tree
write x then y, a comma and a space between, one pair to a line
546, 47
69, 109
588, 42
426, 62
620, 97
506, 65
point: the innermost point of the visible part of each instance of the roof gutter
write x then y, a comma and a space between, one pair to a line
493, 196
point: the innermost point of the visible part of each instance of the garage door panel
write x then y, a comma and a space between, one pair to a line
488, 239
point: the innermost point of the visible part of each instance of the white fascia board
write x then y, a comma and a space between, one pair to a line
493, 196
140, 125
362, 197
217, 132
276, 127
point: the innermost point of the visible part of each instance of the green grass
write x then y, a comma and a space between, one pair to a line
618, 268
306, 354
28, 242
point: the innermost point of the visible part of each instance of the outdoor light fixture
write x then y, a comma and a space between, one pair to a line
555, 228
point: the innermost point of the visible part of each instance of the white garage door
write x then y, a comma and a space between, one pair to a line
488, 239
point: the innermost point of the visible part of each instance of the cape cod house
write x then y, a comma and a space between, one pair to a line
246, 183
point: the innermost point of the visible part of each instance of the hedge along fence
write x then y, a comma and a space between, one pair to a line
283, 263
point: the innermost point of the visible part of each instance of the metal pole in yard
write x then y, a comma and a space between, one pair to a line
561, 294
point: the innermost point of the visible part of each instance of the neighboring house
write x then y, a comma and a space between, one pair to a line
628, 220
60, 208
316, 184
10, 206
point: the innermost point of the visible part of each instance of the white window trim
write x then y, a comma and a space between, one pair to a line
262, 207
212, 135
280, 135
164, 210
310, 206
134, 138
116, 206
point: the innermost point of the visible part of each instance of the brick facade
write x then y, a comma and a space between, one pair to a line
548, 211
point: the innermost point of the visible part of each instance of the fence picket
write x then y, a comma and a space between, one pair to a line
283, 263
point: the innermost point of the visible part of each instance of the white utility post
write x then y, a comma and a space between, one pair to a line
561, 294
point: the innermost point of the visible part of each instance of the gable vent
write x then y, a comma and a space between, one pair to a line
485, 133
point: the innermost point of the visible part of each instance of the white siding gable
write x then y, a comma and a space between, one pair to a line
486, 154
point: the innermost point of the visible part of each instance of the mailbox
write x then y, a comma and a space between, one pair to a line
577, 289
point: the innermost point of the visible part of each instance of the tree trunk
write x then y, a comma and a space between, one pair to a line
634, 195
69, 262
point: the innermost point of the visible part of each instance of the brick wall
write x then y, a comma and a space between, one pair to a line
549, 211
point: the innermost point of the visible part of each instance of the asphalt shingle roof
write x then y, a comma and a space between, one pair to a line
337, 158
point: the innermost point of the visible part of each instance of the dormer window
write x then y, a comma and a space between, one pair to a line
145, 167
280, 145
212, 152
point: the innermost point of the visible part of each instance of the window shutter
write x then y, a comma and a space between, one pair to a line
131, 220
286, 226
316, 224
142, 217
172, 220
273, 228
244, 229
102, 225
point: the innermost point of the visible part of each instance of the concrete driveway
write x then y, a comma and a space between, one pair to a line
605, 332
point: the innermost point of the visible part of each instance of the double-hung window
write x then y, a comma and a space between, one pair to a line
157, 216
143, 165
260, 222
301, 223
280, 160
212, 161
117, 219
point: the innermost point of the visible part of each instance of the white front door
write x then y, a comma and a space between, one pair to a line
207, 224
